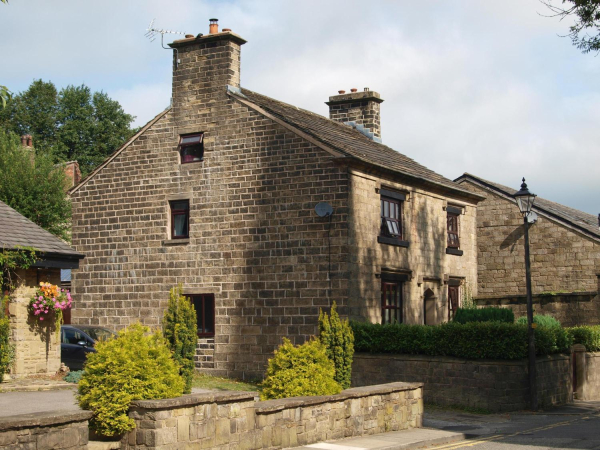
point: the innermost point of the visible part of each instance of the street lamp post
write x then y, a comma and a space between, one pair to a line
525, 201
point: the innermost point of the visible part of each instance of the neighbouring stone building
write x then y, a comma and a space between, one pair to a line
565, 255
37, 348
218, 193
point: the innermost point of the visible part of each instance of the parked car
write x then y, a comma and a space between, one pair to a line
76, 341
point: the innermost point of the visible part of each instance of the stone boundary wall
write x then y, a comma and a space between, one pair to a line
45, 431
488, 384
587, 372
571, 309
236, 420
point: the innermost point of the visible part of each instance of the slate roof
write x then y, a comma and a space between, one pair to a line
16, 230
350, 142
585, 222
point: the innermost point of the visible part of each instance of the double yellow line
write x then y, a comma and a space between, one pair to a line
499, 437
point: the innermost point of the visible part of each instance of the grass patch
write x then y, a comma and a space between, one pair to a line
204, 381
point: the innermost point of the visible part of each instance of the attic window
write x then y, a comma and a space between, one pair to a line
191, 148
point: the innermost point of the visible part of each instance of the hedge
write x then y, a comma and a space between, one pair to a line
474, 340
489, 314
586, 335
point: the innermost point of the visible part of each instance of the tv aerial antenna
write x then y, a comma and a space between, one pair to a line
152, 32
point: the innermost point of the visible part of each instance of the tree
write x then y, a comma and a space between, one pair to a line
34, 186
587, 18
73, 124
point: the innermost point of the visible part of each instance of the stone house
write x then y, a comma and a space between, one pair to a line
218, 193
35, 352
565, 255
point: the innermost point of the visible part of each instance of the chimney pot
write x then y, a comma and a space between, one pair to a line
226, 30
366, 89
214, 26
29, 141
353, 90
187, 36
341, 92
24, 144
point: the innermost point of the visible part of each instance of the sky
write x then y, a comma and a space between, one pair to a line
488, 88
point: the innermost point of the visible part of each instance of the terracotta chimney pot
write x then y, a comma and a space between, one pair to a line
341, 92
187, 36
353, 90
226, 30
214, 26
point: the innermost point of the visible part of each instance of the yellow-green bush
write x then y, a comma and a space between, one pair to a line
338, 339
133, 366
299, 371
6, 348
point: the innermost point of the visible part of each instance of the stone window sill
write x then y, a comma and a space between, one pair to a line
176, 241
453, 251
392, 241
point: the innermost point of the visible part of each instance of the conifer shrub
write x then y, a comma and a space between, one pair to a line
337, 337
180, 330
6, 348
489, 314
133, 366
296, 371
543, 320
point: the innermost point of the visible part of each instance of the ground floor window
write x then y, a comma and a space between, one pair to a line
204, 304
391, 301
453, 298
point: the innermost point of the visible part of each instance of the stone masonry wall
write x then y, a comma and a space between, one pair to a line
562, 260
45, 431
488, 384
425, 259
230, 420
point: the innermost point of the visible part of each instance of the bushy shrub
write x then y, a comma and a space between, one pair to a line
489, 314
337, 337
6, 348
74, 377
133, 366
180, 329
586, 335
541, 320
299, 371
473, 340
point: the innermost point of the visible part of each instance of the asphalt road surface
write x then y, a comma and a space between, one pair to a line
569, 427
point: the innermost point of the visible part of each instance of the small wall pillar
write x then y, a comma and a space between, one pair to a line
579, 370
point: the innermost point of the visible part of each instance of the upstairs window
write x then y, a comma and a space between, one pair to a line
180, 219
391, 231
453, 239
191, 148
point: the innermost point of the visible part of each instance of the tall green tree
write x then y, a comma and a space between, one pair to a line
585, 32
33, 185
71, 124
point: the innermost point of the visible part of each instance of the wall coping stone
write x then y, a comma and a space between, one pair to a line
195, 399
43, 419
451, 359
269, 406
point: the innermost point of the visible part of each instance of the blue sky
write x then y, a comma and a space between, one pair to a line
487, 88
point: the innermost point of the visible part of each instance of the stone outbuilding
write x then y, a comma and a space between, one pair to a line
265, 213
37, 349
565, 255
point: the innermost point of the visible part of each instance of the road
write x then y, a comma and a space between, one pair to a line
570, 427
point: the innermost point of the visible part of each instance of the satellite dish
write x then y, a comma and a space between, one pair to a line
532, 217
323, 209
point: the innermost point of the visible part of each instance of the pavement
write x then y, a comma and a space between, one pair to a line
575, 426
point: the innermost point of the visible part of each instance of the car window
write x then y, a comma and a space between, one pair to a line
100, 334
72, 336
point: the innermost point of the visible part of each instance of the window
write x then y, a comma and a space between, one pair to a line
191, 148
452, 230
204, 304
180, 219
391, 218
453, 298
391, 301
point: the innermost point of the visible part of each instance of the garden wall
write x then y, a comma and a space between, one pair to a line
45, 431
235, 420
488, 384
587, 374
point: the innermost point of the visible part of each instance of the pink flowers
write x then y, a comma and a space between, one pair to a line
50, 299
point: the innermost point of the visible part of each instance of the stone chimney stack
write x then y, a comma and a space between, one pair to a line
359, 110
203, 67
73, 173
27, 143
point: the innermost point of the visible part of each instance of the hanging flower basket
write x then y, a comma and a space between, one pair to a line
49, 301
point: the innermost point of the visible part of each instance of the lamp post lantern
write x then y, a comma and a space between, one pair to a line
525, 201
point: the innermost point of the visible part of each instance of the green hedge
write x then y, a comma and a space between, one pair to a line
474, 340
6, 348
586, 335
489, 314
541, 320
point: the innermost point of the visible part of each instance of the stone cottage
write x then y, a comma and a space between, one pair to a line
565, 255
36, 352
218, 193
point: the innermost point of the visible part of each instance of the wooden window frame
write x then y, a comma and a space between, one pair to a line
200, 317
193, 140
452, 230
180, 212
453, 286
386, 285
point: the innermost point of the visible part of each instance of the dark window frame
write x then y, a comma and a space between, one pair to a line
453, 294
180, 212
194, 145
396, 310
200, 313
452, 230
